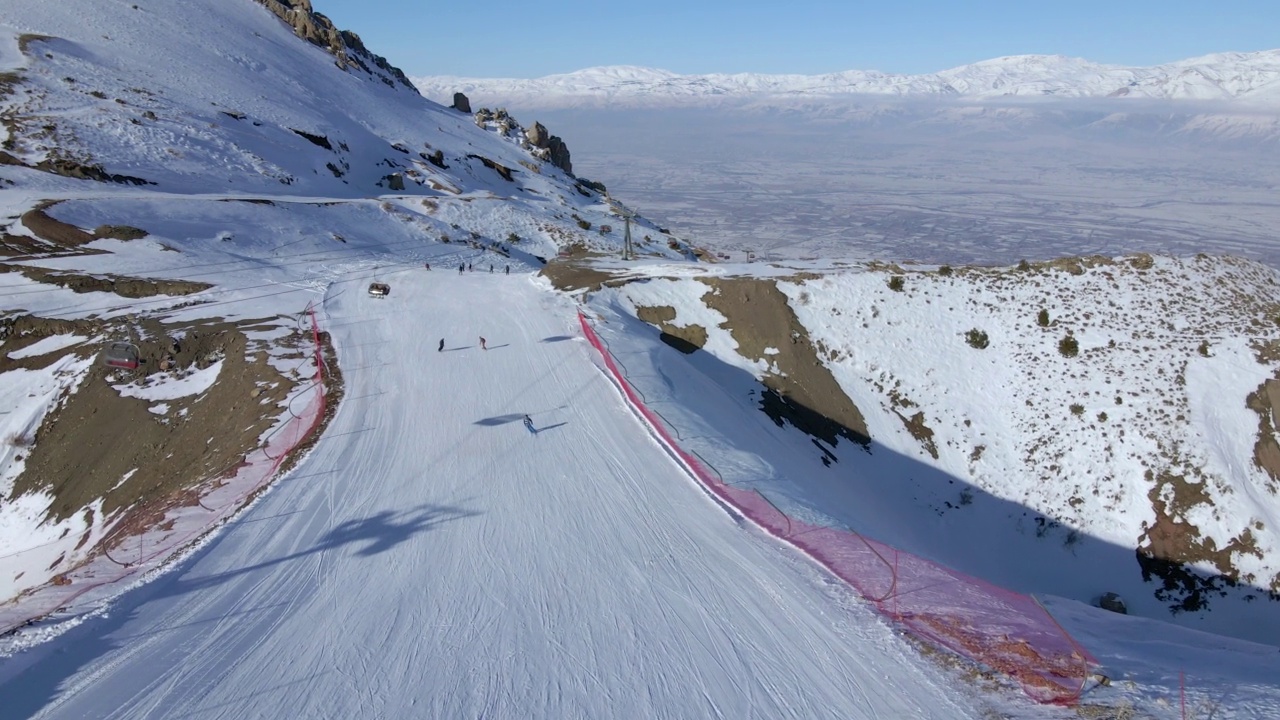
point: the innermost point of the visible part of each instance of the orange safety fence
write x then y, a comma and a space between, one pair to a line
180, 522
1004, 630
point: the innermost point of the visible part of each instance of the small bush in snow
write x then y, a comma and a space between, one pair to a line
1043, 318
513, 238
444, 238
1077, 409
1204, 348
584, 224
945, 271
1069, 346
976, 339
896, 283
1102, 416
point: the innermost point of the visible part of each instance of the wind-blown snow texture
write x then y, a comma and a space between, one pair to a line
430, 558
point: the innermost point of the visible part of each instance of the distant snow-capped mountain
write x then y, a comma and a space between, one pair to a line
1252, 77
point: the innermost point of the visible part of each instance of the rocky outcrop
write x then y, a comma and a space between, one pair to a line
344, 45
461, 103
551, 147
537, 140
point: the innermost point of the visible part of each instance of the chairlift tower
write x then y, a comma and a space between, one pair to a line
628, 250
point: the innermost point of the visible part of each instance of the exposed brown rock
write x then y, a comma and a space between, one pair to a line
1266, 450
759, 317
502, 170
686, 339
554, 149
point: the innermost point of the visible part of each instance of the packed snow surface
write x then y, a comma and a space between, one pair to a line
431, 558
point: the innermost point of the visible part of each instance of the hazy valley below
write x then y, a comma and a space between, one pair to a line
932, 182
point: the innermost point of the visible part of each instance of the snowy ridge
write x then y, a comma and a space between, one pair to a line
1056, 467
1251, 77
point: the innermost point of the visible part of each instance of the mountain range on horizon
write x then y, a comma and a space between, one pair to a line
1247, 77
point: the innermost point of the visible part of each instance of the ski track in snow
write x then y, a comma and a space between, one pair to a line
430, 558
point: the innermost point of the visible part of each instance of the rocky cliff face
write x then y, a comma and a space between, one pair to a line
549, 147
344, 45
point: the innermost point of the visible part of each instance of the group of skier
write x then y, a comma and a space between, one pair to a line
468, 267
484, 344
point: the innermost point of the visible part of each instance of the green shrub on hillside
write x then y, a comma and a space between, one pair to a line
977, 339
896, 283
1043, 318
1069, 346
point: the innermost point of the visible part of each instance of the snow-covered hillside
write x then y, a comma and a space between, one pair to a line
212, 190
1248, 77
1086, 426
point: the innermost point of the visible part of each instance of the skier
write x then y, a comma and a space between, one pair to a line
528, 424
461, 268
507, 270
428, 265
441, 348
482, 345
468, 267
490, 268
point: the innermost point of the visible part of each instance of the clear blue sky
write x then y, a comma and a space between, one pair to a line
502, 38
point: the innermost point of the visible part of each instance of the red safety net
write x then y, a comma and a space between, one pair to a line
1001, 629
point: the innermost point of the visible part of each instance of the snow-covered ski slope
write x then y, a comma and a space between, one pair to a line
430, 558
433, 559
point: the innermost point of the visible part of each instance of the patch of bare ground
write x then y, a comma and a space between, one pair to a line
124, 286
686, 339
53, 235
1171, 545
923, 434
572, 274
25, 41
100, 444
119, 232
20, 245
1265, 401
801, 390
55, 232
